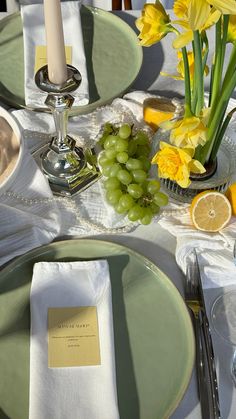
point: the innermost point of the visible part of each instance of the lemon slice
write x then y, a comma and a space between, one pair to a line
156, 111
210, 211
231, 195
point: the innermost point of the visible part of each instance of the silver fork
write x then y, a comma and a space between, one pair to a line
209, 401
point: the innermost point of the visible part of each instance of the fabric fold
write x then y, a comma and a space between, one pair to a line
29, 216
215, 250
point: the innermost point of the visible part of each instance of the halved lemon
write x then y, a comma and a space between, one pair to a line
210, 211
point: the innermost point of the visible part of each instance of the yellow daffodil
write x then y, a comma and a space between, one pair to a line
153, 24
231, 36
188, 131
176, 164
180, 67
226, 7
180, 8
200, 9
195, 15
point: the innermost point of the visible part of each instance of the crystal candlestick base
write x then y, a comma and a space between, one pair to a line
69, 168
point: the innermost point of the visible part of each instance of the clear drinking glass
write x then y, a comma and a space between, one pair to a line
223, 316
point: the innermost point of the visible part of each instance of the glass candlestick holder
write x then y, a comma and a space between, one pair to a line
69, 168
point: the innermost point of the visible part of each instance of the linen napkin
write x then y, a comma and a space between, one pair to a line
215, 250
34, 35
83, 392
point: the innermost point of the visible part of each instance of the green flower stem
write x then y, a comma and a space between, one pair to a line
231, 67
224, 39
220, 134
219, 112
193, 90
198, 72
217, 70
211, 82
188, 111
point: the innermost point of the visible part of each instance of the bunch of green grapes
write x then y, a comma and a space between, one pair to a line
125, 164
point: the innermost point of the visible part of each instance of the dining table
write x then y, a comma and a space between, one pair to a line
158, 245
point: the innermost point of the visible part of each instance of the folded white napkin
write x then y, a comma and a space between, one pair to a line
34, 34
85, 392
215, 250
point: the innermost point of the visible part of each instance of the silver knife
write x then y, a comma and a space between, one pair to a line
214, 395
193, 303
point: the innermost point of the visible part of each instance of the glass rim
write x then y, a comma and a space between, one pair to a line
230, 340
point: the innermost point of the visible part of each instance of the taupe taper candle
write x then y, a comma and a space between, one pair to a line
56, 58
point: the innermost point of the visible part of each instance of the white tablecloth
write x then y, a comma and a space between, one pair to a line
159, 246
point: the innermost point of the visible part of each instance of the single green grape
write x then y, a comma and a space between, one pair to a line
102, 156
110, 141
124, 176
107, 129
147, 216
153, 186
125, 131
115, 168
135, 190
126, 201
112, 183
104, 161
120, 209
139, 175
111, 153
160, 199
106, 171
135, 213
113, 196
122, 157
134, 164
121, 144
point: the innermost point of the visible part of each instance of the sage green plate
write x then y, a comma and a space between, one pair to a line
154, 343
113, 58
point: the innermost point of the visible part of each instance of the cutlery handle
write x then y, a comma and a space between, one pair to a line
201, 369
215, 404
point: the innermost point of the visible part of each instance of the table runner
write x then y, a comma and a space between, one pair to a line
88, 213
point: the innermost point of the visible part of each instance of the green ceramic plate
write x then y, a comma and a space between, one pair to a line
154, 343
113, 58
